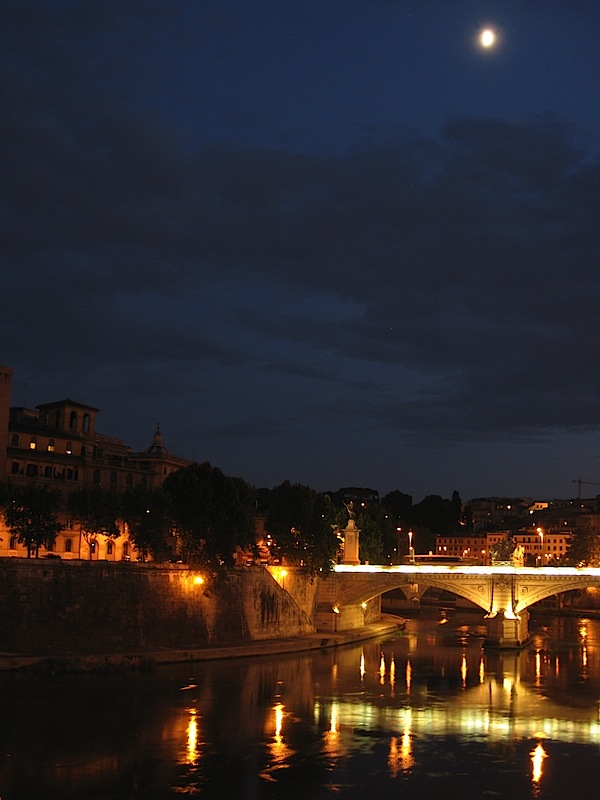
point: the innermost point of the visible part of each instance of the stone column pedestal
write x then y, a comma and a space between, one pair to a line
351, 541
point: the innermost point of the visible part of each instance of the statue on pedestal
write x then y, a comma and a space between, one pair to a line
351, 540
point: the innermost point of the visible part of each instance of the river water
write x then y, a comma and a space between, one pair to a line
425, 714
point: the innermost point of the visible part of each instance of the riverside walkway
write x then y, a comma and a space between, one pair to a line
144, 659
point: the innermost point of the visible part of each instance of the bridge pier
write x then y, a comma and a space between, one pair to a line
507, 633
336, 620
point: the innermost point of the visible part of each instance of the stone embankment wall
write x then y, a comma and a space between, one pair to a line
49, 607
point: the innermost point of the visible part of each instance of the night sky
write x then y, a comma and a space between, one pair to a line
336, 242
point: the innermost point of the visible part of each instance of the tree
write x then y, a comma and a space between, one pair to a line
396, 523
397, 504
584, 550
371, 540
214, 514
301, 521
150, 517
503, 550
372, 521
96, 510
30, 514
433, 516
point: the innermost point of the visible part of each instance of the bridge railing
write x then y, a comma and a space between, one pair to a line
467, 569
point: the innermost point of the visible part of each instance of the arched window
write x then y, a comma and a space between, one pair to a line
113, 480
73, 421
109, 549
14, 442
96, 477
33, 443
126, 550
86, 423
51, 445
69, 448
13, 543
68, 545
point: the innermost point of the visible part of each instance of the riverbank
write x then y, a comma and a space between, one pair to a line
147, 660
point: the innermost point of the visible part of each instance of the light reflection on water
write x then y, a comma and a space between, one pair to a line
425, 712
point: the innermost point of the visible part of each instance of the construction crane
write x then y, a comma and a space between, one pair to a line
580, 483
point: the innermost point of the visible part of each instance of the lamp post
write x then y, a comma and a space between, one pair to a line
541, 535
411, 552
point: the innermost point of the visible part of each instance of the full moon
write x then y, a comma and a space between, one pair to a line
487, 37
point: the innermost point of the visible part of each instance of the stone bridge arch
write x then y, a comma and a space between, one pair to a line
361, 589
530, 590
503, 593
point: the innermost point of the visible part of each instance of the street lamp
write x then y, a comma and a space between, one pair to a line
411, 553
541, 535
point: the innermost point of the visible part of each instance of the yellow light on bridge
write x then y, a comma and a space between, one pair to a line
198, 580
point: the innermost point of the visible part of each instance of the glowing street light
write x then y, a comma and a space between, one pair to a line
411, 552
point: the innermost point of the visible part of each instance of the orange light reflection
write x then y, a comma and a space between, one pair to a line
537, 760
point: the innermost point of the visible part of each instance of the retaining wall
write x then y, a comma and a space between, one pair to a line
51, 607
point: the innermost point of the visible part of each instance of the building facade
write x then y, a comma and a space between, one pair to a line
539, 546
57, 445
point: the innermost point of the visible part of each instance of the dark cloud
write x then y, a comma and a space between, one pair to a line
442, 286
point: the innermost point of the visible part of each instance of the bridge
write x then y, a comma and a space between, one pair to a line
504, 593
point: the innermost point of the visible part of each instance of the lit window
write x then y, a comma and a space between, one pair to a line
69, 448
51, 445
33, 443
